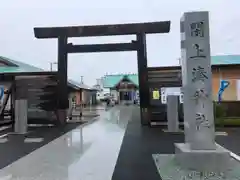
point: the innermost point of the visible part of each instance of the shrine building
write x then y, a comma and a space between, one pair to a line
123, 87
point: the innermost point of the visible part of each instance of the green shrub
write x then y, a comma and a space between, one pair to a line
220, 114
220, 111
227, 122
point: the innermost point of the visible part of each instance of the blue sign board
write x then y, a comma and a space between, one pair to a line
1, 92
223, 85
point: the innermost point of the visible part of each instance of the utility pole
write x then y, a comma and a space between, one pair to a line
82, 79
180, 61
51, 65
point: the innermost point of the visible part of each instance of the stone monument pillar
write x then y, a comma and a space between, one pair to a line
197, 81
20, 107
21, 116
199, 151
172, 113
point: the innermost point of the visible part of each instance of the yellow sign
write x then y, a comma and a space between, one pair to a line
156, 95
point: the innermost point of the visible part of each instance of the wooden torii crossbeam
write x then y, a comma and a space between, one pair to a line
103, 30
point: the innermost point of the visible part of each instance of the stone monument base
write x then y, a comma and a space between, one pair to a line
202, 160
168, 168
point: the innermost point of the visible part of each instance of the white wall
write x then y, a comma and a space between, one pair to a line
171, 91
238, 90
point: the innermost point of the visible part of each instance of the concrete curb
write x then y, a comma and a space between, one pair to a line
233, 155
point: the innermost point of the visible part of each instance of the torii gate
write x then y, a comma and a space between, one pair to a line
139, 45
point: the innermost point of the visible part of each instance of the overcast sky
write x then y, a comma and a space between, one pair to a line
18, 17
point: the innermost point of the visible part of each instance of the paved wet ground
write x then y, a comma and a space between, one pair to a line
13, 147
116, 142
87, 152
231, 141
135, 160
87, 113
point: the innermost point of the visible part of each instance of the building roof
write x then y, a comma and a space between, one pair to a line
10, 66
13, 66
225, 60
109, 81
77, 85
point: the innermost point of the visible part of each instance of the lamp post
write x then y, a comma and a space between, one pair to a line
51, 65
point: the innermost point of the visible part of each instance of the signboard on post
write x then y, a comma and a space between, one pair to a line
156, 95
